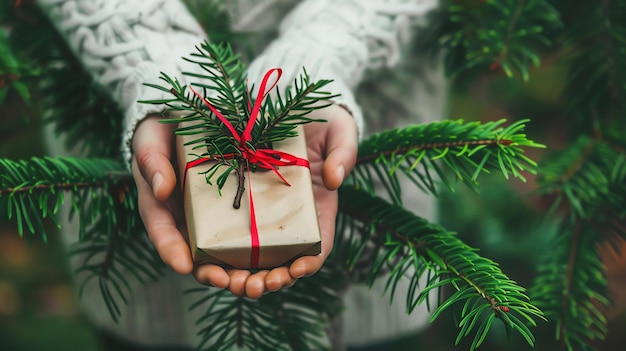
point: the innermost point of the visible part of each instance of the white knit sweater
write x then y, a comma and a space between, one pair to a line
126, 43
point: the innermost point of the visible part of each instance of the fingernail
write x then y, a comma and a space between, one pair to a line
299, 273
274, 289
157, 180
341, 172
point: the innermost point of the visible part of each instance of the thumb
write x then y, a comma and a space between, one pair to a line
341, 149
152, 148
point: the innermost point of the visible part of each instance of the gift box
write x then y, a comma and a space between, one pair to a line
285, 215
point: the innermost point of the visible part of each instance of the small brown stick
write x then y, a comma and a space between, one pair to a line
240, 187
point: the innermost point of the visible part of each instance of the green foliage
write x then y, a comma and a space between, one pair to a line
39, 185
586, 178
596, 84
231, 98
498, 35
230, 95
114, 257
12, 73
79, 108
571, 285
294, 319
429, 153
584, 181
109, 247
408, 246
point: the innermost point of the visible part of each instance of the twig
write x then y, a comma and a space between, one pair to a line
240, 187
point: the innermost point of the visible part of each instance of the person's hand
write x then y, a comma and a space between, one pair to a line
155, 177
332, 150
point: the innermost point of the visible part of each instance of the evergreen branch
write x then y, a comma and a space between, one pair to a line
588, 180
79, 108
595, 81
33, 190
108, 245
588, 177
464, 149
14, 75
412, 247
215, 19
294, 319
284, 114
219, 122
113, 256
495, 35
231, 97
572, 303
227, 75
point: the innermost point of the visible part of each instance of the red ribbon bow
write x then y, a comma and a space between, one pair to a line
264, 158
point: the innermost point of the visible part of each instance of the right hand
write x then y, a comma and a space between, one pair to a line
159, 208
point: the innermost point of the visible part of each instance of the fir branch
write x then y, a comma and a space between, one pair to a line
476, 36
571, 285
595, 81
116, 258
219, 120
293, 319
483, 290
283, 115
588, 177
587, 180
109, 246
34, 190
429, 152
14, 77
227, 76
79, 109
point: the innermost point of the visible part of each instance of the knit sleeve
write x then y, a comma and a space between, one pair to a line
341, 40
127, 43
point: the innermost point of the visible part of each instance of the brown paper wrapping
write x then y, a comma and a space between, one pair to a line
286, 215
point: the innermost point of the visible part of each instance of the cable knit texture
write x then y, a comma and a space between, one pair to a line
127, 43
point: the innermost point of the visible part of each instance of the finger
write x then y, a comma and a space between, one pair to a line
238, 279
213, 275
278, 278
327, 211
152, 146
341, 150
161, 227
255, 285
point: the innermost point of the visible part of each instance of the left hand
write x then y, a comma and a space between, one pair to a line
332, 149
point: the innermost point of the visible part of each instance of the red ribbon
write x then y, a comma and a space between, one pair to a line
264, 158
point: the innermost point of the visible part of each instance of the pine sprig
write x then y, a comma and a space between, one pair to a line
117, 259
497, 35
587, 180
226, 90
34, 190
111, 247
81, 110
571, 285
14, 74
294, 319
429, 153
413, 247
596, 87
